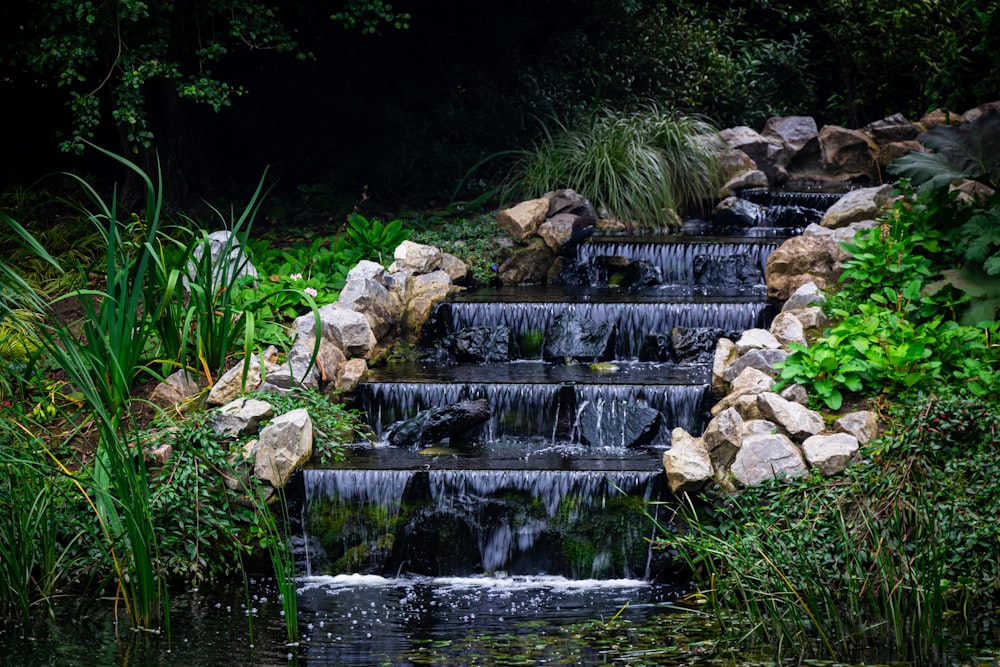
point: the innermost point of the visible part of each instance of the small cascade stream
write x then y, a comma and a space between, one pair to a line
543, 511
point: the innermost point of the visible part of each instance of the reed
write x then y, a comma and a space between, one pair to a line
101, 361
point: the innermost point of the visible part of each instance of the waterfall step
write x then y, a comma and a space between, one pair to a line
547, 408
530, 312
578, 524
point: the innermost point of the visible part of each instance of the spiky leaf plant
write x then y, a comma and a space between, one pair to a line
640, 167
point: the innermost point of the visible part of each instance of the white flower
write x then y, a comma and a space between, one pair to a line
311, 292
295, 276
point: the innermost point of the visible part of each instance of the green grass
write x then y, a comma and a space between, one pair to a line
642, 168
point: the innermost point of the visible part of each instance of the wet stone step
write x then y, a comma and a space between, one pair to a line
710, 264
635, 320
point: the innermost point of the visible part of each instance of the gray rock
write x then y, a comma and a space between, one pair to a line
796, 420
830, 454
736, 212
804, 296
749, 382
767, 456
795, 393
240, 417
863, 425
792, 131
723, 437
284, 445
762, 360
725, 352
440, 423
754, 178
812, 319
417, 258
231, 384
522, 221
350, 374
687, 462
857, 205
618, 423
847, 154
456, 269
756, 339
176, 388
371, 299
579, 340
787, 328
226, 260
367, 270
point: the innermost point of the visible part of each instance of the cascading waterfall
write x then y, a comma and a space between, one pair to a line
546, 510
580, 524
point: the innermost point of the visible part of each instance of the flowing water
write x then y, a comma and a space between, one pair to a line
496, 547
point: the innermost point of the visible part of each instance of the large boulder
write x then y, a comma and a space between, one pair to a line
417, 258
857, 205
284, 445
830, 454
800, 260
892, 129
371, 298
529, 264
568, 201
766, 153
766, 456
240, 417
522, 221
225, 260
481, 345
794, 132
848, 154
798, 421
694, 345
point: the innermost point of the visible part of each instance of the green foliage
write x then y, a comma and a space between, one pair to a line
366, 15
334, 425
374, 239
641, 167
200, 317
472, 239
965, 151
900, 553
201, 526
115, 63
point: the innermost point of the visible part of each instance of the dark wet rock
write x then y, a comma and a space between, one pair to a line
736, 212
655, 347
640, 274
731, 271
440, 423
694, 345
619, 423
578, 340
482, 345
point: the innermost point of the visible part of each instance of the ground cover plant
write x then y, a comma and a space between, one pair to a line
897, 558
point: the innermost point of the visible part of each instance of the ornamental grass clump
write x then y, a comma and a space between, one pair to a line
641, 167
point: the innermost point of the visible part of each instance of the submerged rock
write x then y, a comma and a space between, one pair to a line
619, 423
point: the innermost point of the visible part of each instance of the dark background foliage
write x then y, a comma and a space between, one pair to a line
408, 111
